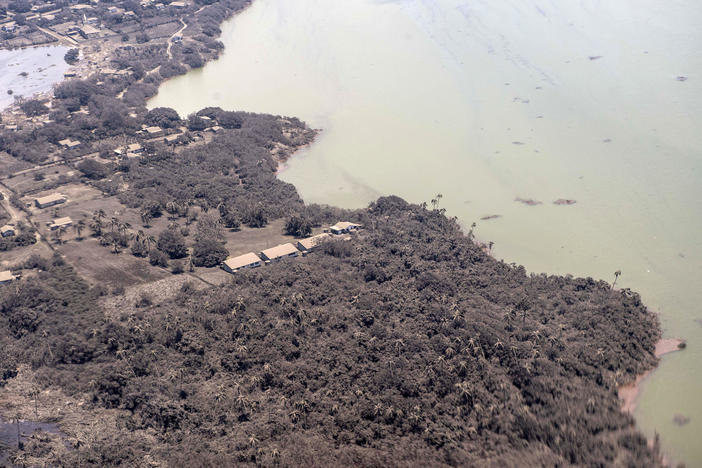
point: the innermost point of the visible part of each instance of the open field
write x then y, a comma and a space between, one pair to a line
99, 266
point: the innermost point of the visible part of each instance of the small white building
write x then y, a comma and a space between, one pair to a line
60, 222
234, 264
7, 231
344, 227
311, 243
68, 143
279, 252
6, 277
50, 200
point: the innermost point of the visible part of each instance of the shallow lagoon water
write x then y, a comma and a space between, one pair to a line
44, 66
489, 101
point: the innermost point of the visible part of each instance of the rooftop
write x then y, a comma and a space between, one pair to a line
342, 225
242, 260
280, 251
62, 221
312, 242
6, 276
50, 198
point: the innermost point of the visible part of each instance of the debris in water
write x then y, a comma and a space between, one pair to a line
680, 419
527, 201
564, 201
595, 57
517, 142
486, 218
681, 78
607, 140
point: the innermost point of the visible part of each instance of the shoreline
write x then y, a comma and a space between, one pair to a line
629, 393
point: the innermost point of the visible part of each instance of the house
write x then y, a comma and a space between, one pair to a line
6, 277
9, 27
134, 148
7, 231
343, 227
249, 260
60, 222
89, 32
68, 143
311, 243
279, 252
154, 131
177, 4
50, 200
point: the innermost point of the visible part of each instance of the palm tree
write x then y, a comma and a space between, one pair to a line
616, 277
145, 218
96, 226
79, 226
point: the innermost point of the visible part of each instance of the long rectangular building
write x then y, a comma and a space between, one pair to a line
279, 252
312, 243
234, 264
49, 200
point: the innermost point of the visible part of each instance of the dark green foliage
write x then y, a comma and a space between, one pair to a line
412, 347
172, 243
254, 215
196, 123
158, 258
93, 169
33, 108
163, 117
209, 253
298, 226
71, 57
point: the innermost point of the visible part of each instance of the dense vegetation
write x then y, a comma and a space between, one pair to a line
408, 345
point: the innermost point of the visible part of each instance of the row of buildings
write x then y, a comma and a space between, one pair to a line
282, 251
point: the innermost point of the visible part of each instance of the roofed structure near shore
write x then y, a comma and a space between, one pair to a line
49, 200
279, 252
234, 264
311, 243
7, 231
343, 227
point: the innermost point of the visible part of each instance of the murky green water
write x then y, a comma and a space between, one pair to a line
487, 101
43, 66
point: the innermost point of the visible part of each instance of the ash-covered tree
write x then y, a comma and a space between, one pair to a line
209, 253
172, 243
33, 108
93, 169
163, 117
298, 226
71, 57
254, 215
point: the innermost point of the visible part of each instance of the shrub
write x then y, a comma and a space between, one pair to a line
158, 258
209, 253
172, 243
71, 56
298, 226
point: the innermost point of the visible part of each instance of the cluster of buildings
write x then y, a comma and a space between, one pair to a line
282, 251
